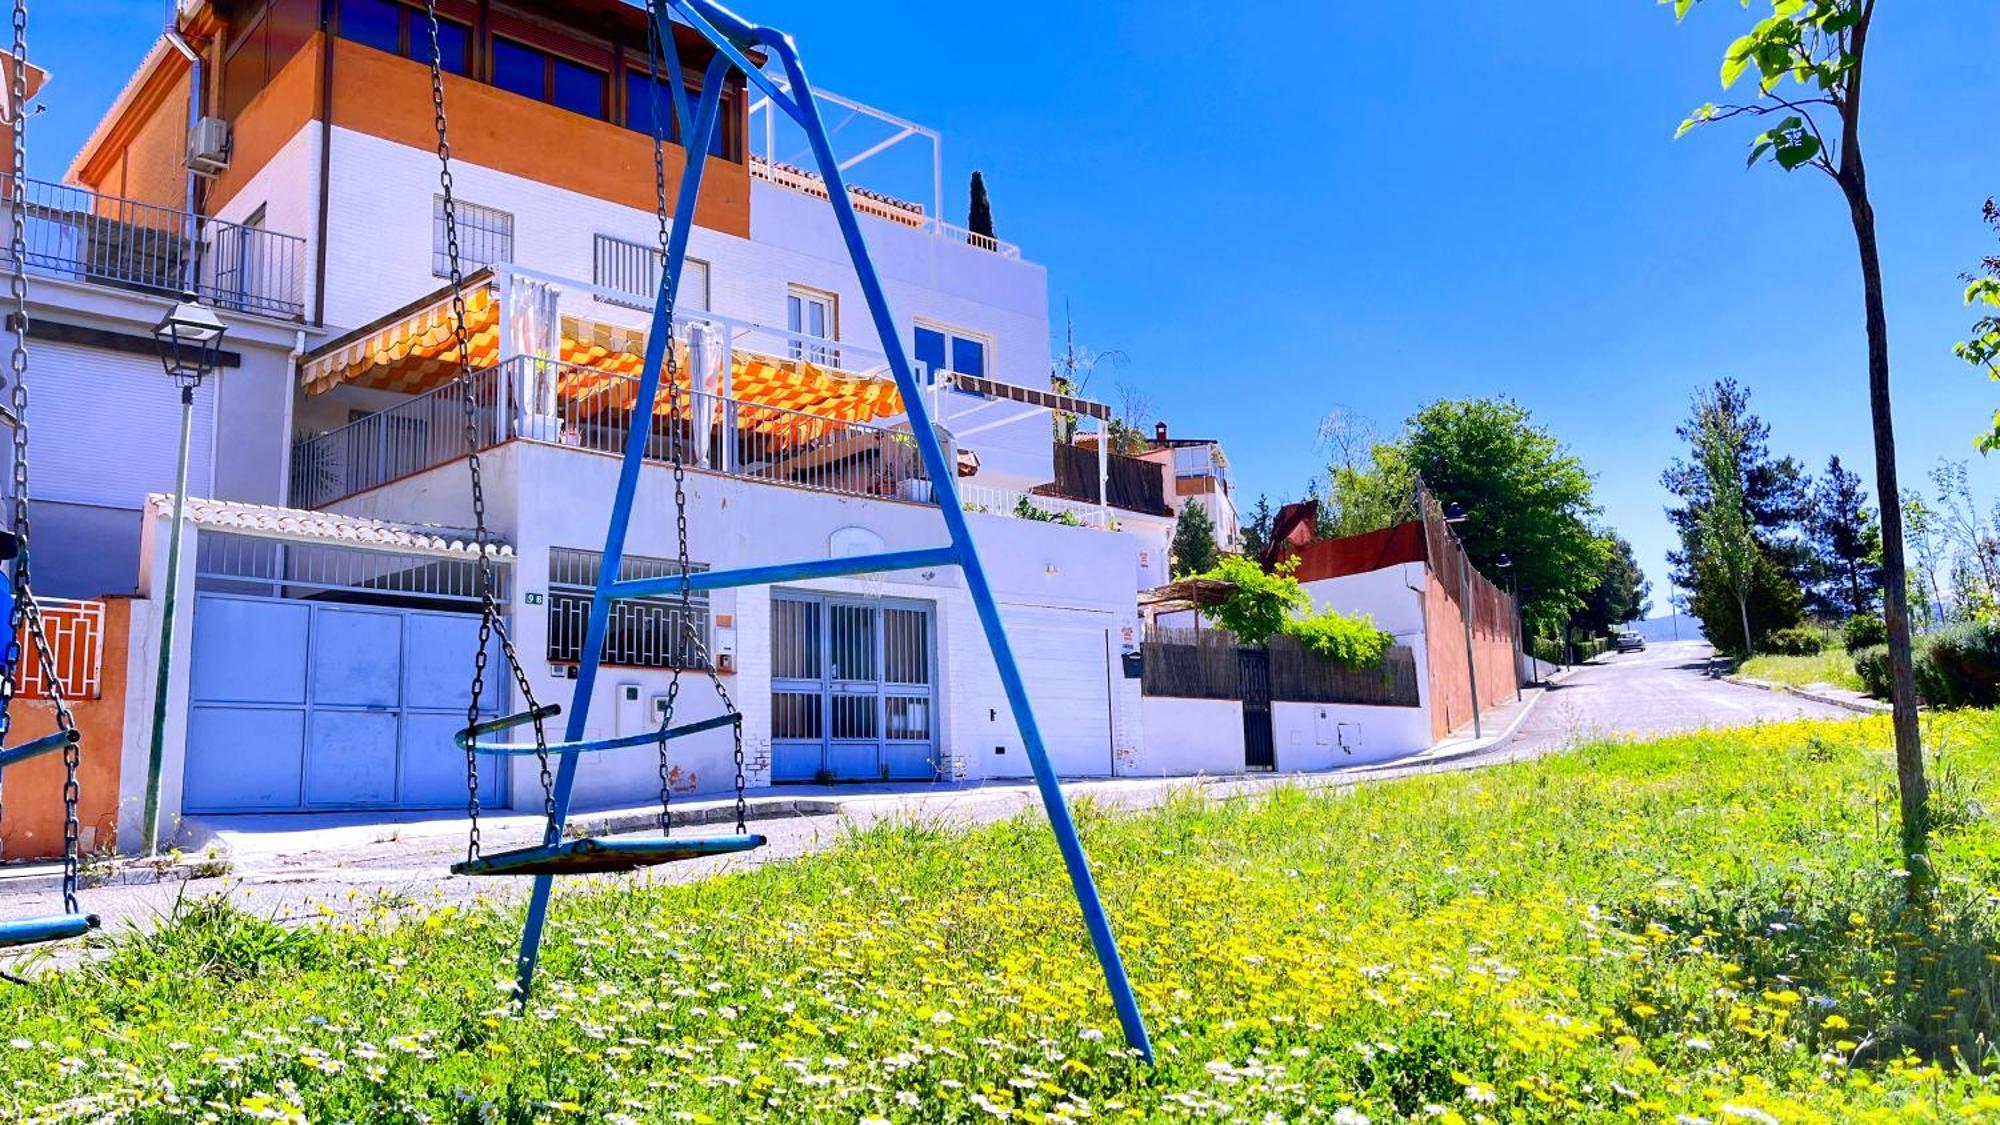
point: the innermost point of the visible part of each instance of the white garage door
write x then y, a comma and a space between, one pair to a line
87, 401
1067, 670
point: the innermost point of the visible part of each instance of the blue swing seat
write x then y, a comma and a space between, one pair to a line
47, 744
594, 856
36, 931
597, 745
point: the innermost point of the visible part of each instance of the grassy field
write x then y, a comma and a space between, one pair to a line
1831, 667
1712, 926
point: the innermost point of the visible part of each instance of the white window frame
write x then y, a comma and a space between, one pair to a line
950, 332
807, 295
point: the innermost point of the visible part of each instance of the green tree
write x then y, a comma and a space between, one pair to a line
1621, 592
1777, 495
1368, 486
1194, 549
1982, 349
1257, 532
1846, 543
979, 216
1808, 58
1526, 496
1727, 552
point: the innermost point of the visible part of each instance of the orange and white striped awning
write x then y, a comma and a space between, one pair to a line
415, 350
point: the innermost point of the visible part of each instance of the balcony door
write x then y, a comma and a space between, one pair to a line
813, 316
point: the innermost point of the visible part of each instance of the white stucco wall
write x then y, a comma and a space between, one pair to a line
1393, 597
1185, 737
1072, 581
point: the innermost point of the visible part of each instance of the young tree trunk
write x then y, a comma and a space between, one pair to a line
1743, 607
1910, 781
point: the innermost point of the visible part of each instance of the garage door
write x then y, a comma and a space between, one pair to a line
1067, 671
297, 705
73, 387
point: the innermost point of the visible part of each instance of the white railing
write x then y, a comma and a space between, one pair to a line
879, 206
1032, 506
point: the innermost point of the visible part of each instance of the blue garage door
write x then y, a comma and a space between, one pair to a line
853, 689
297, 705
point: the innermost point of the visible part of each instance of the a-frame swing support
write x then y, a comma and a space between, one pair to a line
732, 36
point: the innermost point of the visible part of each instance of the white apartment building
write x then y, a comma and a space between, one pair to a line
328, 607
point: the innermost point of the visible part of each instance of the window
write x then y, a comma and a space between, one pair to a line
402, 30
535, 73
640, 90
644, 632
948, 349
577, 88
1193, 462
485, 237
812, 313
633, 269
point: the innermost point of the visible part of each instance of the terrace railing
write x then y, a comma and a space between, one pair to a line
82, 235
593, 412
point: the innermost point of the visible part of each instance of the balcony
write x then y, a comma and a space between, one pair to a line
80, 235
593, 411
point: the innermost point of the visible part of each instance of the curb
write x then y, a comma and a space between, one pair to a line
136, 874
1858, 706
781, 808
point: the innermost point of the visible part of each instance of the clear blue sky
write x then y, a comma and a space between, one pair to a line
1277, 210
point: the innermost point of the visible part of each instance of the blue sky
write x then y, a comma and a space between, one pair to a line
1277, 210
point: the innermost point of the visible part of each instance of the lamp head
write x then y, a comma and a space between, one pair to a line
189, 338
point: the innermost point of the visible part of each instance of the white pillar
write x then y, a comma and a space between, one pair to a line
1104, 472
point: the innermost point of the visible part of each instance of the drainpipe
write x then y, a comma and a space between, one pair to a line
325, 158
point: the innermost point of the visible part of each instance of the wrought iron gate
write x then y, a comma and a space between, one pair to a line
853, 689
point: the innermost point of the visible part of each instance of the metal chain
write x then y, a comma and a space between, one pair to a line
676, 414
489, 605
26, 613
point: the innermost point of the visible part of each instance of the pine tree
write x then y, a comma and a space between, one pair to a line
1194, 549
1257, 533
979, 218
1846, 542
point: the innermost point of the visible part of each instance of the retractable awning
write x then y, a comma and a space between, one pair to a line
414, 350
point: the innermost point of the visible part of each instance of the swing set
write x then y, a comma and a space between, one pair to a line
17, 600
696, 116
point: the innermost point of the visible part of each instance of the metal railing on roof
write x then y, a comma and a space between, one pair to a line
880, 207
82, 235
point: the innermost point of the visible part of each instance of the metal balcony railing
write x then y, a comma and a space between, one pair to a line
593, 411
82, 235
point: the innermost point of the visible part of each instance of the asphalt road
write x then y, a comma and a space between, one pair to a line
1661, 690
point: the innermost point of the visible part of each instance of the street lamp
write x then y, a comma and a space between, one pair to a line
189, 339
1506, 563
1454, 514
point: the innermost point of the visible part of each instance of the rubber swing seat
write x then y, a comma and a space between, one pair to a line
596, 856
36, 931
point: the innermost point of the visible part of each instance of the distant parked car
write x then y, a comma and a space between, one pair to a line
1629, 641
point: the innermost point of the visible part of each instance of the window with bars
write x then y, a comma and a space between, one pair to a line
643, 633
485, 237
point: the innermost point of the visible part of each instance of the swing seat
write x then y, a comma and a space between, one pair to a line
36, 931
594, 856
597, 745
47, 744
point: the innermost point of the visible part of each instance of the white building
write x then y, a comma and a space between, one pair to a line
327, 616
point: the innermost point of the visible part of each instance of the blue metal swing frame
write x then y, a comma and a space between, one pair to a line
732, 36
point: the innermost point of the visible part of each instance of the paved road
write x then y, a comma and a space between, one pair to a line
1660, 690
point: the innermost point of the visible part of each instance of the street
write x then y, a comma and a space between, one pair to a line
316, 872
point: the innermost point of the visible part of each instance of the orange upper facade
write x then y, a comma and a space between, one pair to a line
271, 70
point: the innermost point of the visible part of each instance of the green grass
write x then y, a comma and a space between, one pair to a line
1713, 925
1833, 666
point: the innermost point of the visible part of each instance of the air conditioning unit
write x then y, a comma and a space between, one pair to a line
208, 147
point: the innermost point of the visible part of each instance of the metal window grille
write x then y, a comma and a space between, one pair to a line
633, 269
485, 236
244, 564
643, 632
76, 641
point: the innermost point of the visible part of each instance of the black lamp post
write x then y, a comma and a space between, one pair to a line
1454, 514
189, 339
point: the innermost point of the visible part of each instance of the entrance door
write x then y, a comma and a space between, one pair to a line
853, 689
1253, 673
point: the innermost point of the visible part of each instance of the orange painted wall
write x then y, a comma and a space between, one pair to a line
390, 97
289, 103
31, 823
143, 152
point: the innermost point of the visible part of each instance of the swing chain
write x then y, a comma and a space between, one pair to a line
654, 63
27, 615
490, 625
